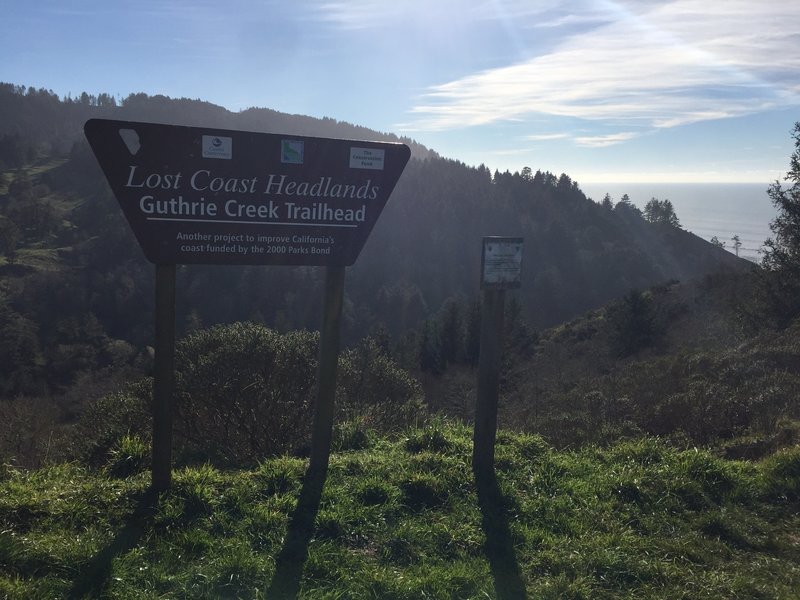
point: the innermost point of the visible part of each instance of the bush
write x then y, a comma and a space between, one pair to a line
245, 392
28, 426
374, 389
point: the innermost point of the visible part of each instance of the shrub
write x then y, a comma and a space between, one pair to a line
28, 427
245, 392
373, 387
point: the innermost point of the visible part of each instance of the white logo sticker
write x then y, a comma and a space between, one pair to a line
131, 139
215, 146
366, 158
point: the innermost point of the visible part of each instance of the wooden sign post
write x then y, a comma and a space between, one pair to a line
196, 195
501, 268
163, 378
322, 427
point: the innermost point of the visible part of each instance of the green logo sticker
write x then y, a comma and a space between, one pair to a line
292, 152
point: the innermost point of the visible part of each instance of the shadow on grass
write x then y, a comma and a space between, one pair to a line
93, 580
292, 557
508, 584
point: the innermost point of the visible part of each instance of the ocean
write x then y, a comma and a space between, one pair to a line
705, 209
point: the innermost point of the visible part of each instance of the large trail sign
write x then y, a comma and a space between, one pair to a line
195, 195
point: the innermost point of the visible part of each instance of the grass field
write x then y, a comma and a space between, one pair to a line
404, 518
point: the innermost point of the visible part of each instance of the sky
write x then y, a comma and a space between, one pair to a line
605, 91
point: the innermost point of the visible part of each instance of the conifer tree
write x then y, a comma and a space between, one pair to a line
781, 261
661, 211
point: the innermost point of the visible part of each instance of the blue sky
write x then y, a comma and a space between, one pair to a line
674, 90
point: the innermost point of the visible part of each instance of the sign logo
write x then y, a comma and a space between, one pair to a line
215, 146
292, 152
367, 158
131, 139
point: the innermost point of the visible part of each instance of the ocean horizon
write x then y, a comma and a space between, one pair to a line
705, 209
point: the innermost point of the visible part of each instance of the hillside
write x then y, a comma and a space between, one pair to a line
76, 290
403, 518
38, 122
680, 361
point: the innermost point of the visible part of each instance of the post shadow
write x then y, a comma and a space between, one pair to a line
93, 580
292, 557
499, 550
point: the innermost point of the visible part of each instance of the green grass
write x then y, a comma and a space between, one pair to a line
41, 259
403, 518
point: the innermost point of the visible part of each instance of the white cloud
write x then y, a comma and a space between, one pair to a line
546, 137
365, 14
358, 14
670, 63
600, 141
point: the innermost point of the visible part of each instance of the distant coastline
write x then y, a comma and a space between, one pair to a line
705, 209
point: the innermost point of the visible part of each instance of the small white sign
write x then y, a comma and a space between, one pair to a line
366, 158
502, 262
215, 146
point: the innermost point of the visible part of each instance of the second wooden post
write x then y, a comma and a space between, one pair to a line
491, 352
501, 268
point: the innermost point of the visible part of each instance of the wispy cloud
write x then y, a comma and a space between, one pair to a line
359, 14
546, 137
364, 14
600, 141
658, 64
372, 14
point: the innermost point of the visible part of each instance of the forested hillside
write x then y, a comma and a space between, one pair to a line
76, 293
641, 365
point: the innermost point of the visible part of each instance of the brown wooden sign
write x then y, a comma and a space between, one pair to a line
194, 195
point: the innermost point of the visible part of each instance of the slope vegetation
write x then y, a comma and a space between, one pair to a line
403, 518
